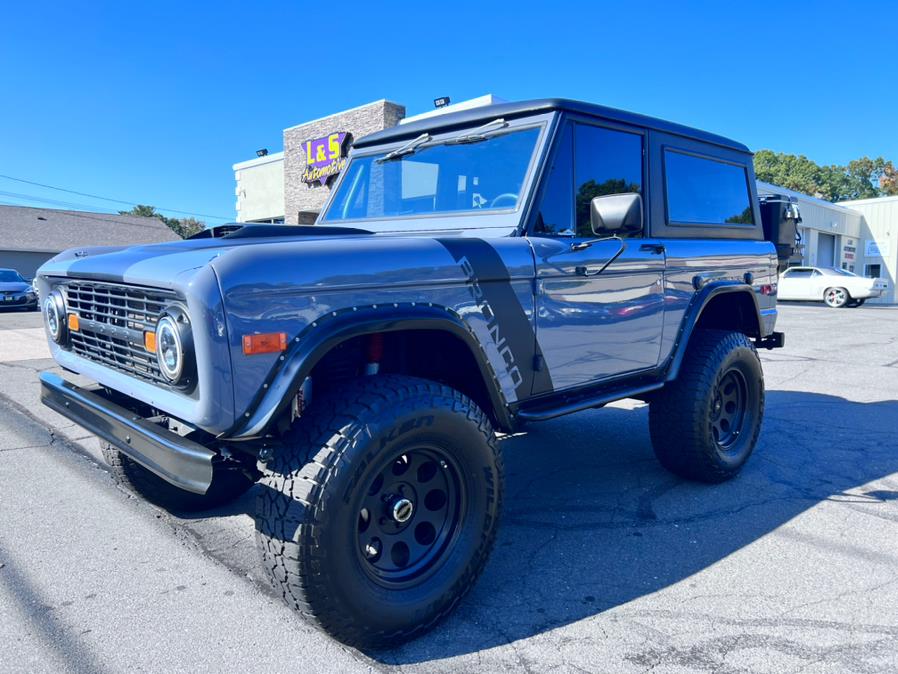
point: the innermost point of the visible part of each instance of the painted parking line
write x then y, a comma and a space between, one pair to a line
23, 344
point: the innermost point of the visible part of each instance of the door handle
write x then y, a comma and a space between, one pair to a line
656, 248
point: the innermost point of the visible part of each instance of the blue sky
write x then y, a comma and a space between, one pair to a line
153, 102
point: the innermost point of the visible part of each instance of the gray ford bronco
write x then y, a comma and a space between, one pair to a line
471, 273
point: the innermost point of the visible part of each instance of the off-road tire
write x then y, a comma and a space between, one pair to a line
682, 416
227, 484
836, 298
308, 518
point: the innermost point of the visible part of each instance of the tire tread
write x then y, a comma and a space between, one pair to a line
677, 420
297, 497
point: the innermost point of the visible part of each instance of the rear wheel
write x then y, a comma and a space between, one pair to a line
705, 424
836, 297
380, 509
228, 483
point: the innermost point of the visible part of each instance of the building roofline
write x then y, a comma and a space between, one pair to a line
258, 161
524, 108
778, 189
343, 112
50, 230
151, 222
873, 200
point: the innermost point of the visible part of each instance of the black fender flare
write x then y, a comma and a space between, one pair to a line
329, 330
699, 303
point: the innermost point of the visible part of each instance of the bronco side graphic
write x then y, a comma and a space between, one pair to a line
512, 332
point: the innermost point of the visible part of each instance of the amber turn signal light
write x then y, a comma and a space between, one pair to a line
271, 342
149, 341
74, 322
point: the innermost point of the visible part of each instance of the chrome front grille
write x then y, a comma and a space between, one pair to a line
112, 321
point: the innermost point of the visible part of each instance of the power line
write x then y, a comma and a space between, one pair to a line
53, 202
115, 201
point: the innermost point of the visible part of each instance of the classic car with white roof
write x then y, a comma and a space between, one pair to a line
836, 287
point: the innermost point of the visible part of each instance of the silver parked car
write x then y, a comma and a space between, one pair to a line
16, 292
836, 287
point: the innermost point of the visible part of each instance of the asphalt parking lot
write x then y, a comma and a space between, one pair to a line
604, 563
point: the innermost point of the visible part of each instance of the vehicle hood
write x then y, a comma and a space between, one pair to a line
14, 286
162, 265
249, 266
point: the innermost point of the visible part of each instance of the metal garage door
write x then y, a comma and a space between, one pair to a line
826, 250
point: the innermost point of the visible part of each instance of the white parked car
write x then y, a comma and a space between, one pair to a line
836, 287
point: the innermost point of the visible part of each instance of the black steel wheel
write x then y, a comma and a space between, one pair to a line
380, 509
728, 409
704, 425
409, 516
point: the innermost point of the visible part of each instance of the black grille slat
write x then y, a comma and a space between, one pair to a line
124, 311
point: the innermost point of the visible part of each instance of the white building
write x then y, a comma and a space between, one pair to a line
859, 236
879, 246
260, 189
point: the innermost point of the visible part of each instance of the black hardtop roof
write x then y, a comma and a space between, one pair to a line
447, 121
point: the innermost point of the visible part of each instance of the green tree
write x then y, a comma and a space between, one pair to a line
860, 179
183, 227
142, 210
873, 177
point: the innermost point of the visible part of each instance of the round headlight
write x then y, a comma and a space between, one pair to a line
54, 316
169, 349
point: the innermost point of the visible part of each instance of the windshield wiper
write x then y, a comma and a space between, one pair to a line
409, 148
475, 136
478, 134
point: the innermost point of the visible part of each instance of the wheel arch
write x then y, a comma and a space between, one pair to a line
722, 305
327, 334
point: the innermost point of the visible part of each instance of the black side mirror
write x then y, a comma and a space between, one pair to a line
616, 213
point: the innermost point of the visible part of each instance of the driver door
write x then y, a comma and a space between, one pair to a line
592, 325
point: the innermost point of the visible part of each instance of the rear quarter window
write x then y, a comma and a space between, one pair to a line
706, 192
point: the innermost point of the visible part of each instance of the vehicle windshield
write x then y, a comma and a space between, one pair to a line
480, 174
843, 272
10, 276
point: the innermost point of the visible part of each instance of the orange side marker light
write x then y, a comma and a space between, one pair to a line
271, 342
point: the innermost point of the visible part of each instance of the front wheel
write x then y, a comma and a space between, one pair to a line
380, 509
705, 424
836, 297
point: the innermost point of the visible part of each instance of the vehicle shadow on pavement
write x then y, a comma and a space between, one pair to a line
591, 521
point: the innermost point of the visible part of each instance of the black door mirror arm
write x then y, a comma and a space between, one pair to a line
585, 271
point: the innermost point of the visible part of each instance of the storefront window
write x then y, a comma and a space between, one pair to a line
873, 271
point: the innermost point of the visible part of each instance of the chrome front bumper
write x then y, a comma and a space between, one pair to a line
182, 462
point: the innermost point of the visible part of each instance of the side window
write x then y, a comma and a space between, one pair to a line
605, 162
799, 273
704, 191
556, 209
